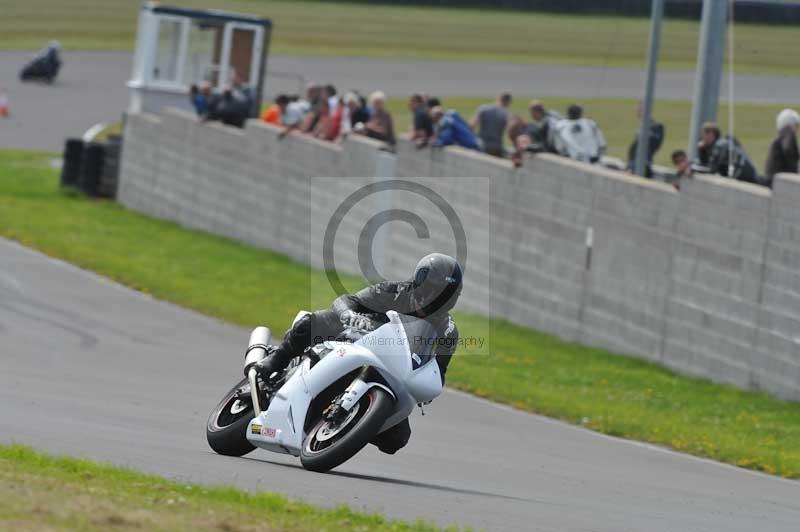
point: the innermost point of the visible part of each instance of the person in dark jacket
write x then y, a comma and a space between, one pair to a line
655, 140
227, 109
541, 128
431, 293
783, 152
422, 127
725, 156
709, 135
356, 109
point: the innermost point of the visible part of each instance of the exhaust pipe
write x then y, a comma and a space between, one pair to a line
258, 346
256, 352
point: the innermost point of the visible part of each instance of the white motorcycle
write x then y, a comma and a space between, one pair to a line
329, 403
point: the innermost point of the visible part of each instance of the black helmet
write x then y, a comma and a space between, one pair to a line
436, 284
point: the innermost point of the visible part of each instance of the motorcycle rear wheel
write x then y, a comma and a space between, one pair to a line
327, 446
226, 430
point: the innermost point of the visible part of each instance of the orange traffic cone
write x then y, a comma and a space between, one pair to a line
4, 110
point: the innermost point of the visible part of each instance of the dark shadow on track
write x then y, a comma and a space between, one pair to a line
411, 483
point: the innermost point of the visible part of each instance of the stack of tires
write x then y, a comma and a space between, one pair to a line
92, 167
71, 168
107, 187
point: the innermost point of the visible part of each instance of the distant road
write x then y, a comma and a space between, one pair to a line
92, 88
402, 77
90, 368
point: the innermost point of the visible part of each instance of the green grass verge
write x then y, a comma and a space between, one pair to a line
755, 123
527, 369
335, 29
41, 492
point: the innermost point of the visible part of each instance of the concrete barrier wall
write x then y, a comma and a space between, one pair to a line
704, 281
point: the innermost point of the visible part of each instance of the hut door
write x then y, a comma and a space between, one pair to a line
242, 51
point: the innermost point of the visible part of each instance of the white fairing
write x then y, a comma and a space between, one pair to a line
280, 428
387, 349
425, 384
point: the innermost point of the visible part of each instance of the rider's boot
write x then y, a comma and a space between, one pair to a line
277, 360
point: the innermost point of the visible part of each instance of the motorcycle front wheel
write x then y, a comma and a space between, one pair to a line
329, 445
226, 430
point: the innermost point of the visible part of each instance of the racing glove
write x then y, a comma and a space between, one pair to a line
355, 320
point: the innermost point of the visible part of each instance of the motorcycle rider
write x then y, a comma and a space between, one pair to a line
430, 294
45, 64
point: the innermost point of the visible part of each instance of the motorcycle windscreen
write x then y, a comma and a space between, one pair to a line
422, 339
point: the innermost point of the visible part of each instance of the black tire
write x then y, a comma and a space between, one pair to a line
226, 430
373, 409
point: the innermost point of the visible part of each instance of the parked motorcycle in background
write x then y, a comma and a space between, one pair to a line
329, 403
45, 65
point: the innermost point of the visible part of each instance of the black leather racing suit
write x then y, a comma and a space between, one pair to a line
373, 301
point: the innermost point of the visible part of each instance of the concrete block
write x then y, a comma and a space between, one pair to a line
786, 188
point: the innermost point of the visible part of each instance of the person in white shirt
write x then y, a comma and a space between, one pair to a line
350, 102
292, 113
329, 92
579, 138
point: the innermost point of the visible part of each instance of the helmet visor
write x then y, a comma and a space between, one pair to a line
433, 296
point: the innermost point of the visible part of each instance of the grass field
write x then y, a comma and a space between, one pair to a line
40, 492
755, 124
527, 369
403, 31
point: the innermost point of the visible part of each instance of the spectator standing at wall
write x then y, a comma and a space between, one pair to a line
709, 134
345, 125
356, 111
683, 167
520, 140
272, 114
198, 99
242, 92
323, 122
783, 152
490, 121
227, 109
724, 155
451, 129
579, 138
311, 119
332, 128
541, 128
380, 125
329, 93
292, 114
655, 140
313, 93
422, 125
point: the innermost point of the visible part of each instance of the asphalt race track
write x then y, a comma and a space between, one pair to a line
91, 87
93, 369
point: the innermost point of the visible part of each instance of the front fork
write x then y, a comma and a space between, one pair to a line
369, 378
